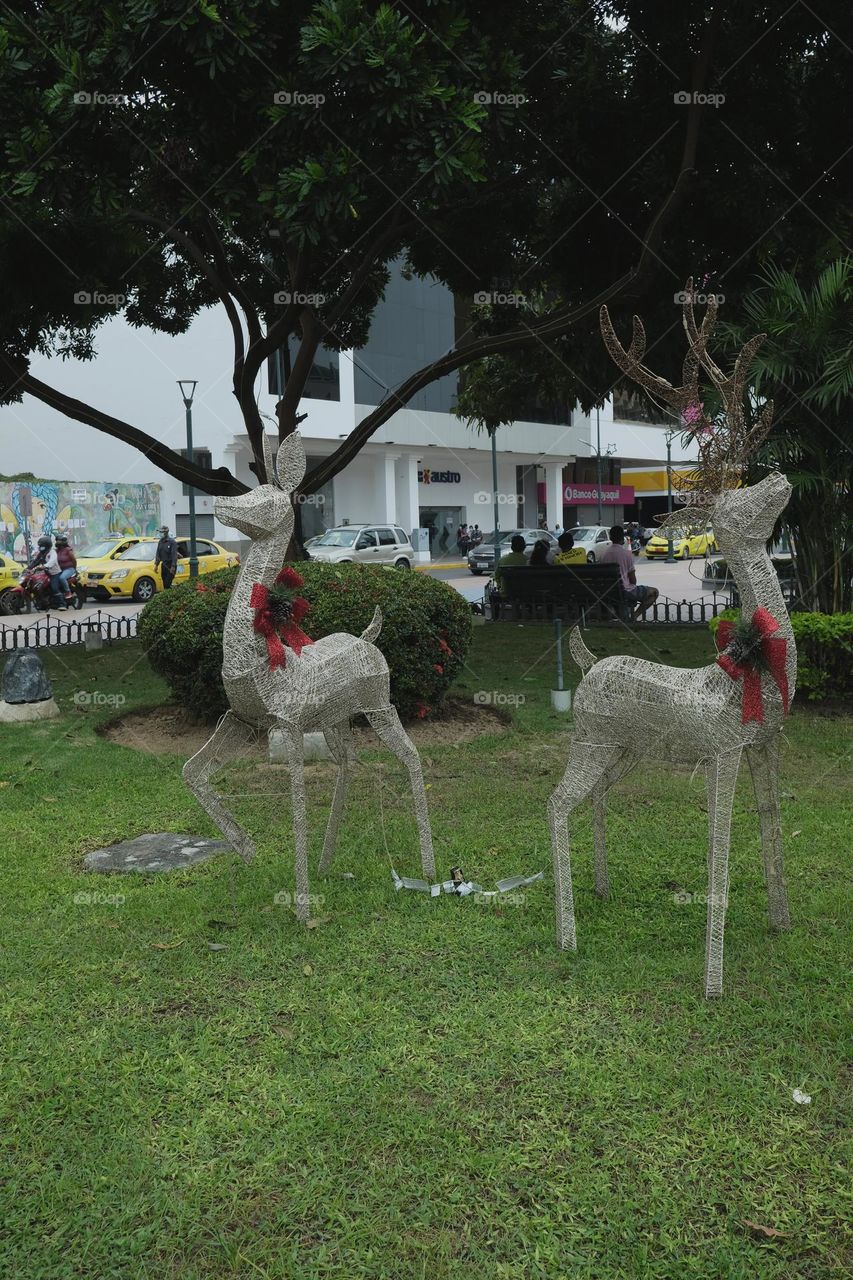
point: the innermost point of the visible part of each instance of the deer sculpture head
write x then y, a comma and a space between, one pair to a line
725, 446
268, 509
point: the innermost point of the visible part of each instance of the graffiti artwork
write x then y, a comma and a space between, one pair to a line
88, 511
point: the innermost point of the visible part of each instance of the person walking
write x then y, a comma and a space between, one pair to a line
167, 557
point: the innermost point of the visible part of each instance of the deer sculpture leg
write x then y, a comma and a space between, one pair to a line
588, 763
339, 740
721, 772
386, 723
764, 767
624, 764
293, 745
223, 745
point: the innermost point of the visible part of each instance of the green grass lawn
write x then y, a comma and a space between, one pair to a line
417, 1088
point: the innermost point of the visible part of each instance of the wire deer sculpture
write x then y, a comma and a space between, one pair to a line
697, 716
320, 688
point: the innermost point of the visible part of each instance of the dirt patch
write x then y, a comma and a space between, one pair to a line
169, 730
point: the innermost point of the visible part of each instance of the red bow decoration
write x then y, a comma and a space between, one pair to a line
278, 614
760, 649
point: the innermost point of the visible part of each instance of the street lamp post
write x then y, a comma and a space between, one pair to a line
598, 459
495, 498
187, 397
669, 437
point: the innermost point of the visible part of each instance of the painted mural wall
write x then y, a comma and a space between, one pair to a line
88, 511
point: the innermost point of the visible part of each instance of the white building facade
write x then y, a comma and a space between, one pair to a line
423, 469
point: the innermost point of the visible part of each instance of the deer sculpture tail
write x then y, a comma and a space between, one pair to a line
579, 651
372, 631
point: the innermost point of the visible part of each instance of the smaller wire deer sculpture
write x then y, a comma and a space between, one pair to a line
713, 714
321, 687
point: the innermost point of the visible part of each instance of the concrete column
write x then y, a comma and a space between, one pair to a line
530, 512
347, 378
554, 493
406, 489
386, 488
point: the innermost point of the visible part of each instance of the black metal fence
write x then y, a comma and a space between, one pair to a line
675, 612
686, 611
48, 630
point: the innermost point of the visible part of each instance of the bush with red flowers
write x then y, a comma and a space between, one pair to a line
426, 630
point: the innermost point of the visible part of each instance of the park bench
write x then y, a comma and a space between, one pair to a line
573, 590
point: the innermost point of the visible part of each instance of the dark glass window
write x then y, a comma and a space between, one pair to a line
386, 538
202, 458
414, 323
324, 380
632, 406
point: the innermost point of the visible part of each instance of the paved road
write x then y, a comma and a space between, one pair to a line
680, 581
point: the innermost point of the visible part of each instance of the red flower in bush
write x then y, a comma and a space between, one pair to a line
444, 646
437, 667
422, 711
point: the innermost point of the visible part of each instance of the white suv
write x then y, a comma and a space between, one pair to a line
364, 543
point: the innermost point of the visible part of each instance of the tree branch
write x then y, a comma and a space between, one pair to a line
553, 326
216, 483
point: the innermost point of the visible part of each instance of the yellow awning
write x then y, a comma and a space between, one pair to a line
652, 482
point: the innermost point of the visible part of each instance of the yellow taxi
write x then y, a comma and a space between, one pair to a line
125, 566
10, 572
685, 543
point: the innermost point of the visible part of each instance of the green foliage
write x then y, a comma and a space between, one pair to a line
806, 366
167, 157
426, 630
824, 653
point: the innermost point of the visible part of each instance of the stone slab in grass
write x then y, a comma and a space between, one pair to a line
162, 851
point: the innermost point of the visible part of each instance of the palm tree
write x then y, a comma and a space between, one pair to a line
806, 365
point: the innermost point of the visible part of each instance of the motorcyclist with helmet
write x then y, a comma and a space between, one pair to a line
47, 559
67, 565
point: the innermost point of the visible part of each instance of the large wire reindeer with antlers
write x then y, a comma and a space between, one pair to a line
713, 714
321, 687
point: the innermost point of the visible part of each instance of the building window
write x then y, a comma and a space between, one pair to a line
202, 458
633, 406
203, 526
324, 379
318, 514
414, 324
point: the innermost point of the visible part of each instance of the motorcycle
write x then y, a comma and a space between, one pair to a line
33, 591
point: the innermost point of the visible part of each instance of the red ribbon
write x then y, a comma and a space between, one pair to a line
775, 650
290, 632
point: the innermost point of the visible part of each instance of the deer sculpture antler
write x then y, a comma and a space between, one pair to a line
724, 446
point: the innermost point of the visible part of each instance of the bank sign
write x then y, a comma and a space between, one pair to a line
586, 495
428, 476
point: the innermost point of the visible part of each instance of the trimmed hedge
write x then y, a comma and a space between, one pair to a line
824, 653
425, 636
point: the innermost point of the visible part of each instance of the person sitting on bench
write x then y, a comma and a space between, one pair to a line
540, 556
569, 553
632, 592
514, 557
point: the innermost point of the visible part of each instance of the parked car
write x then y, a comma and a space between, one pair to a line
593, 538
10, 573
125, 566
481, 559
685, 543
364, 544
717, 576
